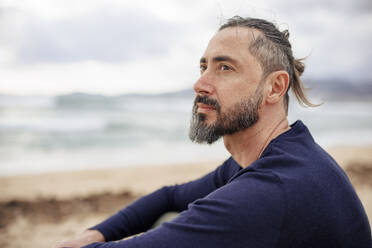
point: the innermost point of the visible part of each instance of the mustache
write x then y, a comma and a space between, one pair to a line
208, 101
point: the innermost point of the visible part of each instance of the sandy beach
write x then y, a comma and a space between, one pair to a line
37, 210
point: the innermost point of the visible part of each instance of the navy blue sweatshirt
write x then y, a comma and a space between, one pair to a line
294, 195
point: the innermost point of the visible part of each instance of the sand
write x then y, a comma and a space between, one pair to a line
38, 210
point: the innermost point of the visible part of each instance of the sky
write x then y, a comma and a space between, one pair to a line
115, 47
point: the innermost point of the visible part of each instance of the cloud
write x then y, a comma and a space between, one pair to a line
115, 46
346, 7
107, 35
334, 35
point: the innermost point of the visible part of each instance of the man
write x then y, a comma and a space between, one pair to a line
278, 188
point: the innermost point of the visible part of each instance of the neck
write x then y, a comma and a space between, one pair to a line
247, 146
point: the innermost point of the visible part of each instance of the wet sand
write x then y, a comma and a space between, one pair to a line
37, 210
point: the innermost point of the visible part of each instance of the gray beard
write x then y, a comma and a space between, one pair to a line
241, 116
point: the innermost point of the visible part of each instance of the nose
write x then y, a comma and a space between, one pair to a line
203, 85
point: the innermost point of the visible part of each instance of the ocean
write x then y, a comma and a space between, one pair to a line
80, 131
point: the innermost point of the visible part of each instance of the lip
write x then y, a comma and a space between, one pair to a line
204, 108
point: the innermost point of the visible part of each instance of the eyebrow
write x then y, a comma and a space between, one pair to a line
219, 59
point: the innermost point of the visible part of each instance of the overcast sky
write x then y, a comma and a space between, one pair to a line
115, 46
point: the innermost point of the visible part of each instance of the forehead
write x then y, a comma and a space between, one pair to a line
232, 41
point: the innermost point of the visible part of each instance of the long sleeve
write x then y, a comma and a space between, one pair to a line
294, 195
141, 215
246, 212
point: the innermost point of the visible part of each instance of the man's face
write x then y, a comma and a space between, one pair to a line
229, 90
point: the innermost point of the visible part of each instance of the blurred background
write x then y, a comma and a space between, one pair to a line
89, 84
108, 84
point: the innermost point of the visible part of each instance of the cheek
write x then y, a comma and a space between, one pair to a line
232, 89
232, 95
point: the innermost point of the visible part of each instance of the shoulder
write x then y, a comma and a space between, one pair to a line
254, 196
253, 204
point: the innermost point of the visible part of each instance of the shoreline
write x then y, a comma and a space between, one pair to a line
141, 179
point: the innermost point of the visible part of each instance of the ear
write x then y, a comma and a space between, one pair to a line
277, 85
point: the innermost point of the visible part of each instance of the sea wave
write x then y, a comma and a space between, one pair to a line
84, 131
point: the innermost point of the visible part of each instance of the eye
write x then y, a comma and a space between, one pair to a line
225, 67
203, 68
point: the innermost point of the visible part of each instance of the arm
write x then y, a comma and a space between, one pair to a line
141, 215
246, 212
